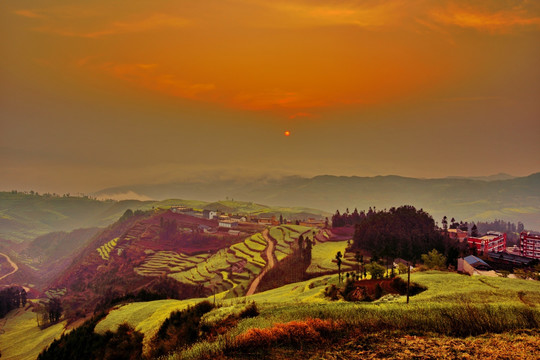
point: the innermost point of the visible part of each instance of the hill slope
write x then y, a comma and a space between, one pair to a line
306, 300
148, 249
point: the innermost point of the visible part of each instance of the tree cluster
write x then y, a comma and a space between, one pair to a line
130, 213
292, 268
349, 219
512, 230
84, 343
179, 329
168, 229
304, 249
54, 309
11, 298
403, 232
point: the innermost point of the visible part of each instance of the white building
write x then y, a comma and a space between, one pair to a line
210, 214
228, 223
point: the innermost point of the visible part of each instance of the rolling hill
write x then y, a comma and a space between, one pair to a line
502, 197
137, 252
23, 217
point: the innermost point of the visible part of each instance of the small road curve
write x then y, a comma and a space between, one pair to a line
269, 264
15, 267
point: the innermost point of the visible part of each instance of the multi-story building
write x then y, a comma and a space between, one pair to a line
530, 244
493, 241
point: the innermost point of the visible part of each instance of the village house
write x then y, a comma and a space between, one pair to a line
312, 222
474, 266
228, 223
180, 209
206, 229
210, 214
239, 218
509, 261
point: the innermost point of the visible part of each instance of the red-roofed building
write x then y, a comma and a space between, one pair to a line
491, 242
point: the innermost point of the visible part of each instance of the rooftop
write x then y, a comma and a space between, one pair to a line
474, 261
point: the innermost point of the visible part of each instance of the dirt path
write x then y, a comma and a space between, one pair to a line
270, 262
15, 267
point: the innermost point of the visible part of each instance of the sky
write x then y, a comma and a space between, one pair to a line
100, 93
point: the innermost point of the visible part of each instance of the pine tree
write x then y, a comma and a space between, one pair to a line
338, 260
474, 231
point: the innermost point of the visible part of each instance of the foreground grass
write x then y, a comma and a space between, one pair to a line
21, 339
519, 345
453, 305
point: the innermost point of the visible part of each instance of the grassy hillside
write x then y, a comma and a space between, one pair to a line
27, 216
452, 307
145, 317
20, 337
505, 300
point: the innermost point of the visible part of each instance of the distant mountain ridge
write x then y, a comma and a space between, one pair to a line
23, 217
499, 176
513, 199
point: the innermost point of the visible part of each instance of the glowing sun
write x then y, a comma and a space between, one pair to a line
287, 133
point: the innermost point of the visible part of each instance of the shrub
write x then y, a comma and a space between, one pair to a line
179, 329
331, 292
294, 333
250, 311
378, 291
434, 260
84, 343
401, 286
376, 270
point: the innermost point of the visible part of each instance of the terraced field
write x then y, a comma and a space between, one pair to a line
52, 293
323, 257
164, 262
230, 271
285, 237
105, 250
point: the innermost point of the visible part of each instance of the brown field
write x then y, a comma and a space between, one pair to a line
520, 345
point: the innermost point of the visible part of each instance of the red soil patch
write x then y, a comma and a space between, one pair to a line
341, 233
363, 288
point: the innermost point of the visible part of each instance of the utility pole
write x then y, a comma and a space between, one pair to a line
408, 279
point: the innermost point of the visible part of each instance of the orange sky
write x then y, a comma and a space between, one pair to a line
100, 93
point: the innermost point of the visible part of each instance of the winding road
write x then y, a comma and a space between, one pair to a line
269, 265
15, 267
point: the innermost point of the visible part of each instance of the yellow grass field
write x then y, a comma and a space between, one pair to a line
22, 339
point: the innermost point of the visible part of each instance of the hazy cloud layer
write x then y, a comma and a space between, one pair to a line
103, 93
